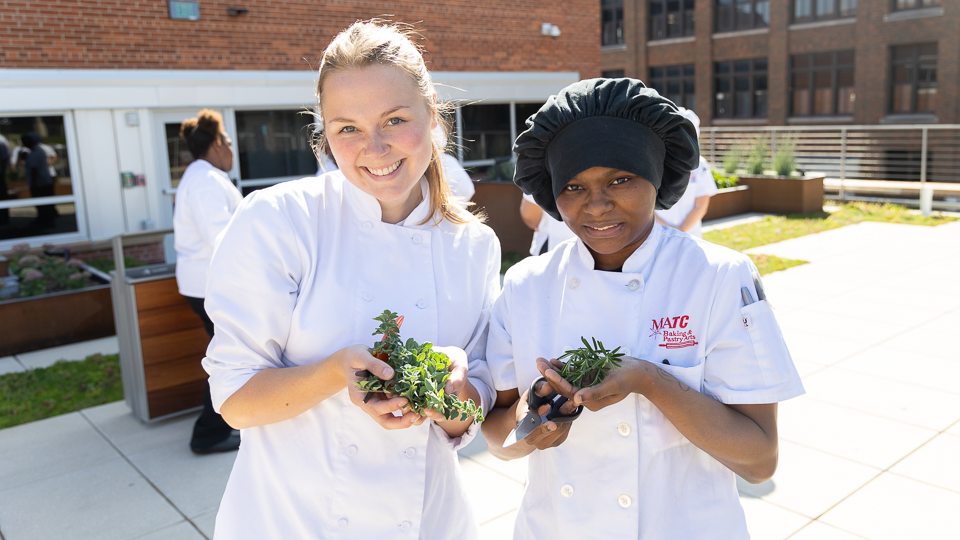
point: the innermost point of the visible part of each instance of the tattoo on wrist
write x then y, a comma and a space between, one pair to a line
670, 378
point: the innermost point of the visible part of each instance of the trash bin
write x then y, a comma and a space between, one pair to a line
161, 339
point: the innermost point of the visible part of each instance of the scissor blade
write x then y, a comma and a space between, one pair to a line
527, 426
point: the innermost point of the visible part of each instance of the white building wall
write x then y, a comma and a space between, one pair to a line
96, 143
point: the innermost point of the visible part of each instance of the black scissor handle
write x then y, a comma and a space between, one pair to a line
554, 415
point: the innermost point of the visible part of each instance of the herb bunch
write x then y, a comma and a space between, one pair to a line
588, 365
420, 373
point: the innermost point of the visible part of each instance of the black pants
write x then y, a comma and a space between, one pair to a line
46, 213
210, 427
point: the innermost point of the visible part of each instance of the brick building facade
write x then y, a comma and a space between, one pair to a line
107, 83
781, 62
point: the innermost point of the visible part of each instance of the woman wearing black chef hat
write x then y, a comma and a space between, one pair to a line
694, 400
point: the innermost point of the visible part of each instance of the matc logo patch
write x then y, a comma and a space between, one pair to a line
673, 332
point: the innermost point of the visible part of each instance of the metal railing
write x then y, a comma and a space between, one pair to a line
888, 153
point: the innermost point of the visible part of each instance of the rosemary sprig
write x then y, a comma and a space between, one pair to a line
588, 365
420, 373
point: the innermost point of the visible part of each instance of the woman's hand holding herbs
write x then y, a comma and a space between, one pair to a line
357, 359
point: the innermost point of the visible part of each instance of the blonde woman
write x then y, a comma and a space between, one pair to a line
296, 281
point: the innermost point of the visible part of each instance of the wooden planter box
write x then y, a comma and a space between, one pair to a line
61, 318
729, 202
785, 195
501, 202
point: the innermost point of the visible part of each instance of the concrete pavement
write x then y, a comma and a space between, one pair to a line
870, 451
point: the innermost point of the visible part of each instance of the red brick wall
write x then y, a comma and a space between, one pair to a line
487, 35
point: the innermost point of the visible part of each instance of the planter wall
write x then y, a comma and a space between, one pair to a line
49, 320
501, 202
783, 195
729, 202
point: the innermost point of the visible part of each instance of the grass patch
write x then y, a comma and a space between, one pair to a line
59, 389
776, 228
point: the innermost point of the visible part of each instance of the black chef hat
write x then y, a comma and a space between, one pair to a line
615, 123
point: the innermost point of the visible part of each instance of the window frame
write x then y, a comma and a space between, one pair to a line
616, 8
752, 74
687, 25
894, 8
514, 131
76, 180
757, 21
916, 85
656, 82
814, 17
811, 71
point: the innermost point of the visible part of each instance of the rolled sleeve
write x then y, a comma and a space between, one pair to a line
747, 361
252, 288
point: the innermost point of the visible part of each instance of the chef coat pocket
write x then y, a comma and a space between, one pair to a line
659, 434
768, 343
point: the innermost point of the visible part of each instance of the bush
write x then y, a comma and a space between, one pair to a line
784, 159
724, 181
756, 160
40, 274
731, 161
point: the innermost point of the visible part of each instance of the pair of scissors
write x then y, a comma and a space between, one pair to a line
533, 420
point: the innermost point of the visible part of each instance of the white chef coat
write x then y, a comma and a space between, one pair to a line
701, 184
206, 200
625, 471
460, 182
549, 230
300, 272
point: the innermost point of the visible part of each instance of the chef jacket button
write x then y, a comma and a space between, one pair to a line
625, 501
368, 296
351, 450
625, 351
421, 304
566, 490
417, 239
410, 452
574, 283
405, 526
366, 226
623, 429
633, 285
342, 523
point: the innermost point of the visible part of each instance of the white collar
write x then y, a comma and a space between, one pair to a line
637, 260
369, 206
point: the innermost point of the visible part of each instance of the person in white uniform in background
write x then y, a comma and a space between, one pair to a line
296, 281
460, 182
687, 214
206, 200
694, 399
547, 232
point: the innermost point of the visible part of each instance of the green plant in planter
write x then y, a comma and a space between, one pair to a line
731, 161
41, 274
32, 283
784, 159
757, 157
724, 182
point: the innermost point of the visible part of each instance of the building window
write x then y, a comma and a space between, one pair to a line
37, 196
671, 18
821, 10
675, 83
822, 84
611, 22
741, 88
913, 78
903, 5
486, 132
274, 145
742, 14
612, 74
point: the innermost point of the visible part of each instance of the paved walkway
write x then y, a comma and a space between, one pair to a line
870, 452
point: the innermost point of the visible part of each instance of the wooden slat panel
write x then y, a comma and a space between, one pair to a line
39, 323
176, 399
168, 347
169, 374
167, 320
156, 294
